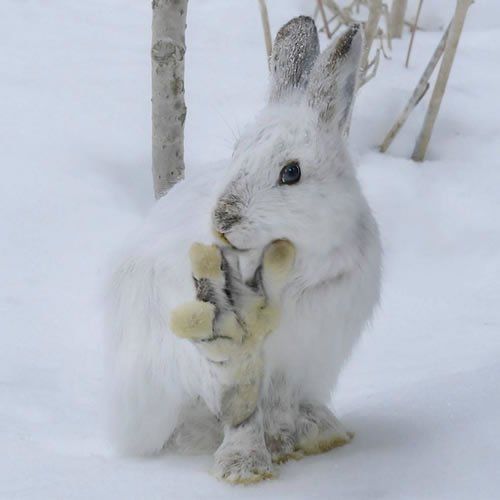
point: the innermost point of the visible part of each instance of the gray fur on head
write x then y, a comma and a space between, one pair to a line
295, 50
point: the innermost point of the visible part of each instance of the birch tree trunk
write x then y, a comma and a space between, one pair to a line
169, 110
398, 11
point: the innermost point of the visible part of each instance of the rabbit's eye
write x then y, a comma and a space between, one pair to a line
290, 173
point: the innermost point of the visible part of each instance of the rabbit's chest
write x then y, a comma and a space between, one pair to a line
304, 345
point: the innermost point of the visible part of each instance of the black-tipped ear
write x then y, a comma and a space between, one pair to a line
295, 50
334, 79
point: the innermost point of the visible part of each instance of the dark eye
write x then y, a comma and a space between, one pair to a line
290, 173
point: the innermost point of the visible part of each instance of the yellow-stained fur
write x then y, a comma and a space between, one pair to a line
317, 446
206, 261
278, 259
193, 320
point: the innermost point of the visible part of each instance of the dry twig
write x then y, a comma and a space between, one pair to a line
265, 26
413, 31
418, 93
442, 79
321, 9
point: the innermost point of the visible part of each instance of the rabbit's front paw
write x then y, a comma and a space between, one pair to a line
319, 430
230, 319
209, 321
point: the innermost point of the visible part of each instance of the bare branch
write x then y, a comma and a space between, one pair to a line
413, 31
321, 9
418, 93
442, 79
265, 26
385, 11
338, 11
373, 66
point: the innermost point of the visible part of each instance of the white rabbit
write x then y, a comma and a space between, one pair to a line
290, 178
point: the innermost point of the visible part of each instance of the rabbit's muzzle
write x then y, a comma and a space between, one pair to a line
227, 214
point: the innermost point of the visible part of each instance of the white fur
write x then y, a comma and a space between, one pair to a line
329, 297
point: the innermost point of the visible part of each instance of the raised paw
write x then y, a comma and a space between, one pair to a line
230, 319
209, 321
318, 430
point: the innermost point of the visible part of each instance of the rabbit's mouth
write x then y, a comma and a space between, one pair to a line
223, 239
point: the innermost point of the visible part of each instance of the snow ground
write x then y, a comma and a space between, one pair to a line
422, 391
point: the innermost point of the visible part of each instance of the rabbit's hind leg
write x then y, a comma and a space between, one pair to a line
280, 414
319, 430
243, 457
199, 431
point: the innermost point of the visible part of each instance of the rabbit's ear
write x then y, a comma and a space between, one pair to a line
334, 79
295, 50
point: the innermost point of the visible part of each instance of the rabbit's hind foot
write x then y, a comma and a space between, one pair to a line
319, 431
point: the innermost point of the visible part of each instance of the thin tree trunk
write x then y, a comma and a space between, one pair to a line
418, 93
169, 110
442, 78
398, 11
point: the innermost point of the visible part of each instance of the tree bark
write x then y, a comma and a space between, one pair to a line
398, 11
169, 110
442, 79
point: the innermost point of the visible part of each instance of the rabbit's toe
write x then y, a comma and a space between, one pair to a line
278, 259
206, 261
243, 466
193, 320
277, 262
282, 447
259, 319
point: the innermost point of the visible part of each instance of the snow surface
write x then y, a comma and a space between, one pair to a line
421, 392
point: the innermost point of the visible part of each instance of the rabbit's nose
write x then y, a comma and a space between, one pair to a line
227, 214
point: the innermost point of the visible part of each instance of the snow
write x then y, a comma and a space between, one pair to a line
421, 392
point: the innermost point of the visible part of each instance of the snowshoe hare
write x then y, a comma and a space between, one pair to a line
238, 303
